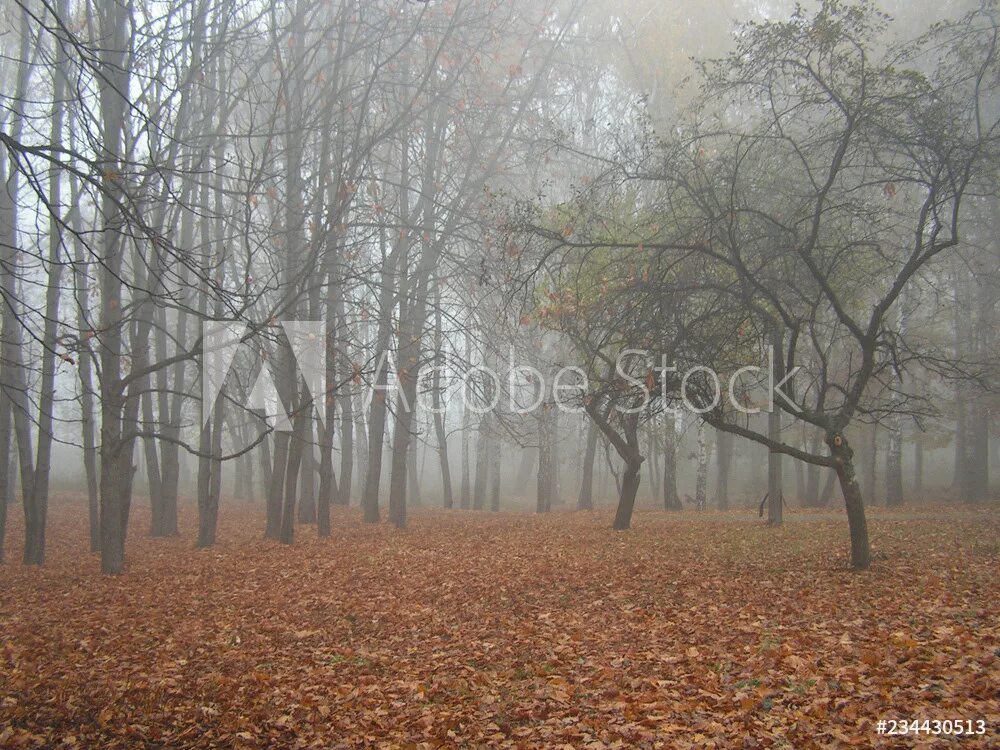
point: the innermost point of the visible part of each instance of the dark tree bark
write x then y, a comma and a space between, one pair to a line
843, 464
413, 475
6, 475
671, 500
626, 444
775, 500
869, 461
465, 499
307, 480
724, 452
543, 496
85, 370
894, 464
586, 499
377, 413
296, 447
775, 504
116, 444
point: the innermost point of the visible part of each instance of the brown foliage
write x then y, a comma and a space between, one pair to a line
515, 631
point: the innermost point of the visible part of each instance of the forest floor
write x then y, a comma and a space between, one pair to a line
510, 630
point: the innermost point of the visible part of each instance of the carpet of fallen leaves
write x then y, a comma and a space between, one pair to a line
472, 630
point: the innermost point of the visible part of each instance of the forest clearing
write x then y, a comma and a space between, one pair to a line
508, 630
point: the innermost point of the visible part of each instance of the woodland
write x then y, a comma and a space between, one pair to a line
464, 373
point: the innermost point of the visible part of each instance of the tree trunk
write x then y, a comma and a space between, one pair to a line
346, 480
307, 479
495, 457
843, 457
413, 475
586, 499
153, 477
81, 288
870, 461
977, 444
296, 447
116, 447
775, 504
543, 497
724, 445
894, 463
6, 476
671, 500
46, 401
465, 499
626, 501
482, 463
701, 481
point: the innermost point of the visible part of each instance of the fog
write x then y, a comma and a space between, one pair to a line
323, 268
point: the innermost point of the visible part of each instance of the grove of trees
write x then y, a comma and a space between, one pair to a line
454, 188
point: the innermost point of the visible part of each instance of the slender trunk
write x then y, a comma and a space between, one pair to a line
586, 499
869, 461
775, 504
346, 400
307, 478
296, 446
800, 471
413, 480
46, 401
977, 446
894, 463
701, 482
439, 417
724, 444
328, 490
654, 452
543, 498
276, 484
85, 326
346, 478
13, 382
465, 499
671, 500
495, 457
376, 418
960, 433
6, 475
482, 462
265, 465
555, 493
204, 483
153, 477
